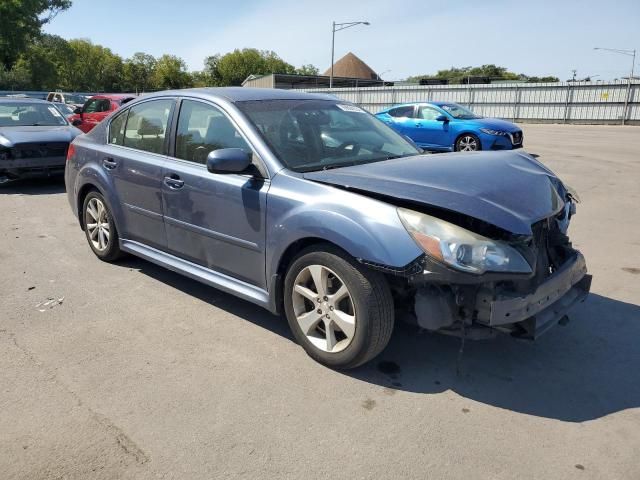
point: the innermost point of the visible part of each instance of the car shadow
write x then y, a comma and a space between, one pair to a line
230, 303
34, 186
575, 373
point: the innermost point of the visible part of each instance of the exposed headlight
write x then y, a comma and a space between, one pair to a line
460, 248
488, 131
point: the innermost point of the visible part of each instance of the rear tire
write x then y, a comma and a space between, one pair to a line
468, 142
99, 228
346, 321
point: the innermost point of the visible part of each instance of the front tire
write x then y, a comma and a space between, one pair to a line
99, 228
468, 142
340, 312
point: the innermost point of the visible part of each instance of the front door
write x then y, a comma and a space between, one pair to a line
134, 158
426, 131
215, 220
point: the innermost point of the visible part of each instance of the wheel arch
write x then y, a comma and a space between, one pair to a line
288, 256
467, 132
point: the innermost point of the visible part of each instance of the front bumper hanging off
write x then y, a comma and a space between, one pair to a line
538, 311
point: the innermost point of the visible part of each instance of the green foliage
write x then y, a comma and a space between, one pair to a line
21, 21
50, 62
307, 70
139, 71
234, 67
170, 72
492, 72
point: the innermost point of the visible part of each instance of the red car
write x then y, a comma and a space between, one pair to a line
97, 108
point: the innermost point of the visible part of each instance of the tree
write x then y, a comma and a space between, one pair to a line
139, 71
21, 22
488, 72
307, 70
92, 68
232, 68
171, 72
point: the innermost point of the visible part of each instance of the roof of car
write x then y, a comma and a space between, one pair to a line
410, 104
241, 94
22, 100
114, 96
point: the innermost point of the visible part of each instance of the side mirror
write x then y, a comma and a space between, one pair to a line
228, 160
77, 110
442, 118
76, 122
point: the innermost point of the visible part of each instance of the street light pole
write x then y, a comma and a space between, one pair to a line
632, 54
341, 26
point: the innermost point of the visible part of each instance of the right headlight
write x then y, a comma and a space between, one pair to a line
460, 248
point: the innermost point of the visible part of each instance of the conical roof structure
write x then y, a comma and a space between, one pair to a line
351, 66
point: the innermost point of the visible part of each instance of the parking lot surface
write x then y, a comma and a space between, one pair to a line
131, 371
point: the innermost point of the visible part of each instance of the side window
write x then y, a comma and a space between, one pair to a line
147, 125
203, 128
428, 113
402, 112
116, 129
91, 106
104, 106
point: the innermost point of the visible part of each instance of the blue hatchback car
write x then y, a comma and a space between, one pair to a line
310, 207
447, 127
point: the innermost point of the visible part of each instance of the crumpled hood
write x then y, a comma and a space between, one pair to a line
10, 136
510, 190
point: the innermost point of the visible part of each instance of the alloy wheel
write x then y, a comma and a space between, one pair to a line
97, 224
324, 309
468, 144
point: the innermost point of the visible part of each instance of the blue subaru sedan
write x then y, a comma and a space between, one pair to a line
447, 127
310, 207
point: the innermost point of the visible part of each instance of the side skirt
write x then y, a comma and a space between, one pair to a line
197, 272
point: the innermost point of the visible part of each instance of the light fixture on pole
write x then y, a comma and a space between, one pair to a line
336, 28
632, 54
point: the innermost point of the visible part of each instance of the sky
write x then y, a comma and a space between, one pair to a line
406, 37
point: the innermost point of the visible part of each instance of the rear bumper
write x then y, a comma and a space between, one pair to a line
535, 313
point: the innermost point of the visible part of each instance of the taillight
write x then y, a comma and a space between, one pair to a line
71, 151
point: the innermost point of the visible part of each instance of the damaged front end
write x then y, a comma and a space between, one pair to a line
520, 285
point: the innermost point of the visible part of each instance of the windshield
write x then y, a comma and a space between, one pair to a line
19, 114
74, 99
309, 135
456, 111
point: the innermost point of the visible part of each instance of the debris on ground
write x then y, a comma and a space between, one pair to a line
49, 303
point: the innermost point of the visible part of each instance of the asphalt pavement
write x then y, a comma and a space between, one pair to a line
129, 371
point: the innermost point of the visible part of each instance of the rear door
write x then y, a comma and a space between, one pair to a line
134, 159
215, 220
400, 118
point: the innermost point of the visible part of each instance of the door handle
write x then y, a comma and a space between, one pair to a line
418, 125
109, 163
173, 181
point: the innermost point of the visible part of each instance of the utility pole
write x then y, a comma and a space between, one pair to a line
341, 26
632, 54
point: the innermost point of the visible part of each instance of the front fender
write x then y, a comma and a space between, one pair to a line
366, 228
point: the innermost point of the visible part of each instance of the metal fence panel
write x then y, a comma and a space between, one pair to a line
570, 102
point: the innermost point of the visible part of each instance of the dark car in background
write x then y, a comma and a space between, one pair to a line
309, 206
447, 127
34, 138
97, 108
65, 109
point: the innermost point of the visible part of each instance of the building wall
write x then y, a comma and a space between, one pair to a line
566, 102
261, 82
